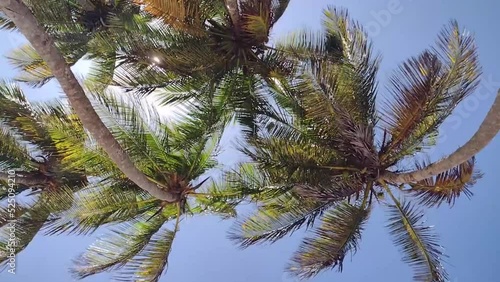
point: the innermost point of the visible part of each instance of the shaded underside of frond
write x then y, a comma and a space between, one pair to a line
340, 188
153, 143
338, 235
446, 186
356, 141
13, 154
294, 162
257, 17
415, 110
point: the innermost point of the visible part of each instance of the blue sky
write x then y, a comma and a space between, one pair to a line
469, 231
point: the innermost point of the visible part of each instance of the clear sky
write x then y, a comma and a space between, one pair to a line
469, 231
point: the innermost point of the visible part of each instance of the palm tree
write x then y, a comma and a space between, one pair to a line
43, 43
36, 165
329, 155
199, 49
142, 227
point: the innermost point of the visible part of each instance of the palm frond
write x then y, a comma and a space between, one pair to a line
14, 154
6, 23
415, 112
355, 141
419, 245
102, 70
458, 52
358, 53
21, 116
261, 15
295, 162
132, 129
277, 219
320, 91
338, 235
255, 183
153, 259
100, 204
244, 95
177, 54
34, 70
75, 147
310, 45
26, 226
201, 123
339, 73
222, 198
340, 188
446, 186
426, 90
117, 249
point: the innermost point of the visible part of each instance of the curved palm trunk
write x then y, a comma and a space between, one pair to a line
486, 132
86, 5
234, 11
20, 14
29, 180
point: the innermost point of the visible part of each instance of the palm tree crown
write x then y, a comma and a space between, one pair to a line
82, 189
41, 176
205, 50
327, 154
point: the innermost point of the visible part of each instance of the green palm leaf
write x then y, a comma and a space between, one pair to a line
23, 119
342, 65
420, 246
277, 219
301, 161
153, 260
338, 235
115, 251
26, 226
99, 204
14, 154
5, 23
34, 70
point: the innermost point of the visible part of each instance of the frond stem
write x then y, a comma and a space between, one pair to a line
368, 189
407, 224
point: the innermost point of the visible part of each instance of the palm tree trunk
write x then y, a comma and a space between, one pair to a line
486, 132
26, 179
22, 17
86, 5
234, 11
